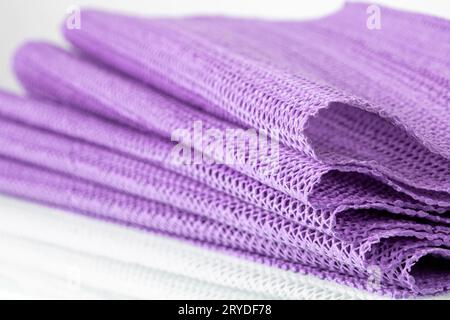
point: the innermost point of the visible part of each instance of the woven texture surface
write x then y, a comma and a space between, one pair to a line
49, 249
361, 194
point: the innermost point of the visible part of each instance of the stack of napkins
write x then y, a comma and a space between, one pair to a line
318, 147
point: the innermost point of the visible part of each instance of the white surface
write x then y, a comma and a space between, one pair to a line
22, 20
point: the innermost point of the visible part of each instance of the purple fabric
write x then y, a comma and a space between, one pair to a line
363, 180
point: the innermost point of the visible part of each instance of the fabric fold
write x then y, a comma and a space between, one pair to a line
38, 229
356, 184
70, 79
260, 64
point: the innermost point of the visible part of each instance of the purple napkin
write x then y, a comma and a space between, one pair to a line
361, 188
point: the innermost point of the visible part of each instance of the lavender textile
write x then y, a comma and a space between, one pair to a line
362, 191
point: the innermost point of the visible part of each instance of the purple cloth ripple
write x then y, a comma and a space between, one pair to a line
363, 115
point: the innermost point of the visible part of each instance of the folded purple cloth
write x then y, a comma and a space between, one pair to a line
148, 180
309, 80
362, 181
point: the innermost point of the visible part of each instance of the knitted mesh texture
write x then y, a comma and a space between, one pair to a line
363, 175
297, 174
70, 193
268, 79
188, 269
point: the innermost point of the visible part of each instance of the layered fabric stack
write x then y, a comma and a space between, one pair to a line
47, 253
355, 185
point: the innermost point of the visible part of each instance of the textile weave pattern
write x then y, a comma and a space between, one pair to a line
363, 173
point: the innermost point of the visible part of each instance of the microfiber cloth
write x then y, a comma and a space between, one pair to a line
361, 190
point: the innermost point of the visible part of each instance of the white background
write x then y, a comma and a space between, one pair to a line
22, 20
